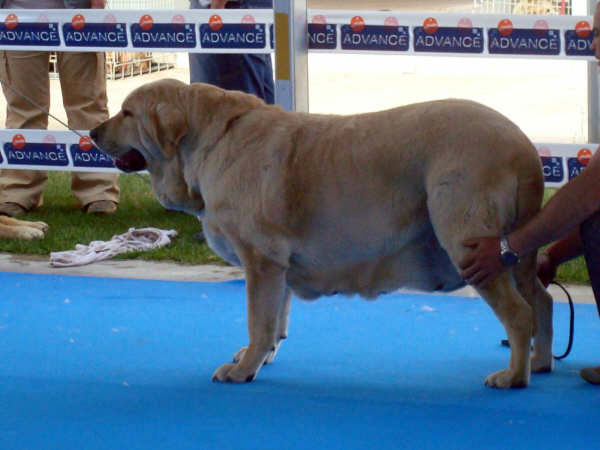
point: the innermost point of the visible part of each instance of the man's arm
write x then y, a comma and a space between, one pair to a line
561, 251
565, 211
218, 4
571, 205
98, 4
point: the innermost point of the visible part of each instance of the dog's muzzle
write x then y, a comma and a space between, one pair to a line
132, 161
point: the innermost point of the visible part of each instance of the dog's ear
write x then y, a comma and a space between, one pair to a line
168, 126
213, 109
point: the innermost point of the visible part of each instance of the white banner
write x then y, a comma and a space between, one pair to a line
66, 151
251, 31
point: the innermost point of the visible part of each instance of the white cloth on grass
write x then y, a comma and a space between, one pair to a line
134, 240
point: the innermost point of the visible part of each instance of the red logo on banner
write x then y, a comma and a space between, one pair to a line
78, 21
505, 27
320, 19
146, 22
178, 18
43, 18
465, 25
11, 21
583, 156
49, 139
357, 24
541, 27
430, 25
248, 19
583, 29
110, 18
215, 22
390, 23
85, 143
18, 141
544, 151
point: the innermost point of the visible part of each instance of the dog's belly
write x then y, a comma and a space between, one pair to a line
421, 265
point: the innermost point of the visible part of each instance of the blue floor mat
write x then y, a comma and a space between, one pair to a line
97, 363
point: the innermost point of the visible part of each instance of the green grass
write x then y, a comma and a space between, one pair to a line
138, 208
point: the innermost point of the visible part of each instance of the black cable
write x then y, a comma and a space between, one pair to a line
505, 342
571, 321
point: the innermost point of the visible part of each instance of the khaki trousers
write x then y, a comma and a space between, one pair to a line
83, 86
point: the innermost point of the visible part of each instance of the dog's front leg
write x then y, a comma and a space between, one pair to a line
283, 323
266, 296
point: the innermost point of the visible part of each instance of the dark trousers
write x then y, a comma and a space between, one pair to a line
251, 73
590, 236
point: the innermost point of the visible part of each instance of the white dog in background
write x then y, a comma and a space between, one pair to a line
21, 229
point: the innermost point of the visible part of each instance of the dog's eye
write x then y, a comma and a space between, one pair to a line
127, 113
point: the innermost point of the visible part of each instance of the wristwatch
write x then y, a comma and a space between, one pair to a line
508, 256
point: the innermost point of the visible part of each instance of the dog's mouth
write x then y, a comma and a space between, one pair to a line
132, 161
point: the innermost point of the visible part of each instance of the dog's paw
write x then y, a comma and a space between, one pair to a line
29, 233
231, 373
506, 379
237, 357
268, 360
39, 225
542, 364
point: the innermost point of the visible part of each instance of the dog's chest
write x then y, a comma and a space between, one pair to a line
221, 246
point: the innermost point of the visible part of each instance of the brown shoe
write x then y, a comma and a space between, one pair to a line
11, 209
591, 374
101, 207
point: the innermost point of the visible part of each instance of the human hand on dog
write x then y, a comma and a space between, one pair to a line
482, 263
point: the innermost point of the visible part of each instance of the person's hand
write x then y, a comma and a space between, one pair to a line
482, 263
546, 270
98, 4
218, 4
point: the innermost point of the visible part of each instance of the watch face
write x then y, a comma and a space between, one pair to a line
509, 258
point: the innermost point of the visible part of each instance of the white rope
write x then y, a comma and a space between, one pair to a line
134, 240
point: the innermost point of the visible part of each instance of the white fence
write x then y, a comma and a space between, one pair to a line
246, 31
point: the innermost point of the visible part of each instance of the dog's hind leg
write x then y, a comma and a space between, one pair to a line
541, 301
456, 216
266, 293
517, 317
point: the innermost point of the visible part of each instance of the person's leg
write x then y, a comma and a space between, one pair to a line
251, 73
27, 72
262, 63
83, 86
203, 68
590, 236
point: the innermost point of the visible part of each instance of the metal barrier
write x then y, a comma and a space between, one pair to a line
248, 31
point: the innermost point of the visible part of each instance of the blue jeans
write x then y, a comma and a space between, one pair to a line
251, 73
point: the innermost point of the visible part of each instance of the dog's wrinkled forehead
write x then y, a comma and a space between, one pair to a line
137, 100
149, 94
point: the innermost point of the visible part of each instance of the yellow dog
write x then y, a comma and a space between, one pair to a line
320, 204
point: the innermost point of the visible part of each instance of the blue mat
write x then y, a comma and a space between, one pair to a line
92, 363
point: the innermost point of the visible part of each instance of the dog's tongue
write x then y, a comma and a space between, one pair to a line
132, 161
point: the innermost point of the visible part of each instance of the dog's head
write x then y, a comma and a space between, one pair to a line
167, 124
147, 134
148, 129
